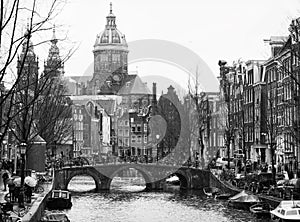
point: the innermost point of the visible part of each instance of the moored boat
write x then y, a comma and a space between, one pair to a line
223, 196
243, 200
59, 199
211, 191
286, 211
174, 180
261, 209
55, 217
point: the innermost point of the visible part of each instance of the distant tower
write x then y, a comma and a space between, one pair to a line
27, 65
110, 59
53, 67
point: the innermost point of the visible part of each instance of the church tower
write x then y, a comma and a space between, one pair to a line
27, 66
53, 67
110, 59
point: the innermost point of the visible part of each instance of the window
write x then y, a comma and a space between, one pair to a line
126, 123
145, 127
115, 57
133, 129
145, 138
120, 132
139, 127
103, 57
291, 212
126, 132
139, 139
126, 142
133, 139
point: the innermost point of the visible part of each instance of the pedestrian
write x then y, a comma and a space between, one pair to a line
4, 178
11, 188
17, 192
28, 193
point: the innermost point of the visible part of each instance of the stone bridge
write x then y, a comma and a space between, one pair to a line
154, 175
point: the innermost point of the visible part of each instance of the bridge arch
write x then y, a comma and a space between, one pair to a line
184, 179
146, 175
92, 173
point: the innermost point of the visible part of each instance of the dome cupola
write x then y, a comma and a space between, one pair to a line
110, 35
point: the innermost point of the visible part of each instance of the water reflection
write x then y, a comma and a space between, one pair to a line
127, 202
153, 206
129, 180
82, 184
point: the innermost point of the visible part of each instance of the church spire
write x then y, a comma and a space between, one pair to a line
54, 39
111, 19
27, 45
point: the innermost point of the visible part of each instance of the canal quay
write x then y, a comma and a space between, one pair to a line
127, 201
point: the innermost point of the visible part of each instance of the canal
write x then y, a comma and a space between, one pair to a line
127, 202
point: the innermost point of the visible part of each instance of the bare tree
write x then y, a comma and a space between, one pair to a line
226, 86
199, 116
21, 98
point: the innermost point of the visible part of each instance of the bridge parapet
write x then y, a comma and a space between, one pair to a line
153, 174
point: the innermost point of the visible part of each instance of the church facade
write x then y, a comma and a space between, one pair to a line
117, 95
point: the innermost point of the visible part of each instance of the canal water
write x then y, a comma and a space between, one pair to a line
126, 202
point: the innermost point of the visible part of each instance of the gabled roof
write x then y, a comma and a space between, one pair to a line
38, 139
134, 86
108, 105
80, 78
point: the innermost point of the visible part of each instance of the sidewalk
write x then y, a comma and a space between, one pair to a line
16, 208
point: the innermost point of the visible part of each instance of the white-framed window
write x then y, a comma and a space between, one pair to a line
139, 128
139, 139
145, 138
126, 133
120, 132
133, 139
126, 142
133, 128
145, 127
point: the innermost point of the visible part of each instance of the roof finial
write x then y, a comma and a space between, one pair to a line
28, 21
110, 8
54, 39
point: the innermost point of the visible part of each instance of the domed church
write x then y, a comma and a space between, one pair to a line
110, 60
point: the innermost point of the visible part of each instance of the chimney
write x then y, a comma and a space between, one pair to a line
154, 101
276, 43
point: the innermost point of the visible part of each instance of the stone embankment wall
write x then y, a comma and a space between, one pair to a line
228, 188
38, 206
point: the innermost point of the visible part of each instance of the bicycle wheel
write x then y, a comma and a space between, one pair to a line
7, 197
15, 219
18, 213
39, 189
5, 217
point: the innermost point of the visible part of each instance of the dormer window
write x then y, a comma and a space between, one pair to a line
127, 84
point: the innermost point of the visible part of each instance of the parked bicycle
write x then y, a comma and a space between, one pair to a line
39, 187
8, 214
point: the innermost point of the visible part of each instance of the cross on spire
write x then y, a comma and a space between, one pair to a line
54, 39
111, 19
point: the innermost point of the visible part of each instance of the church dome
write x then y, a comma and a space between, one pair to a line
110, 35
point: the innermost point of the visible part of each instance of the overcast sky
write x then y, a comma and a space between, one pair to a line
213, 29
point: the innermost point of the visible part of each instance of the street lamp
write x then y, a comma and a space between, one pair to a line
22, 147
157, 139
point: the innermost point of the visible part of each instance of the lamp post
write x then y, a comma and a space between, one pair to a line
22, 147
157, 139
